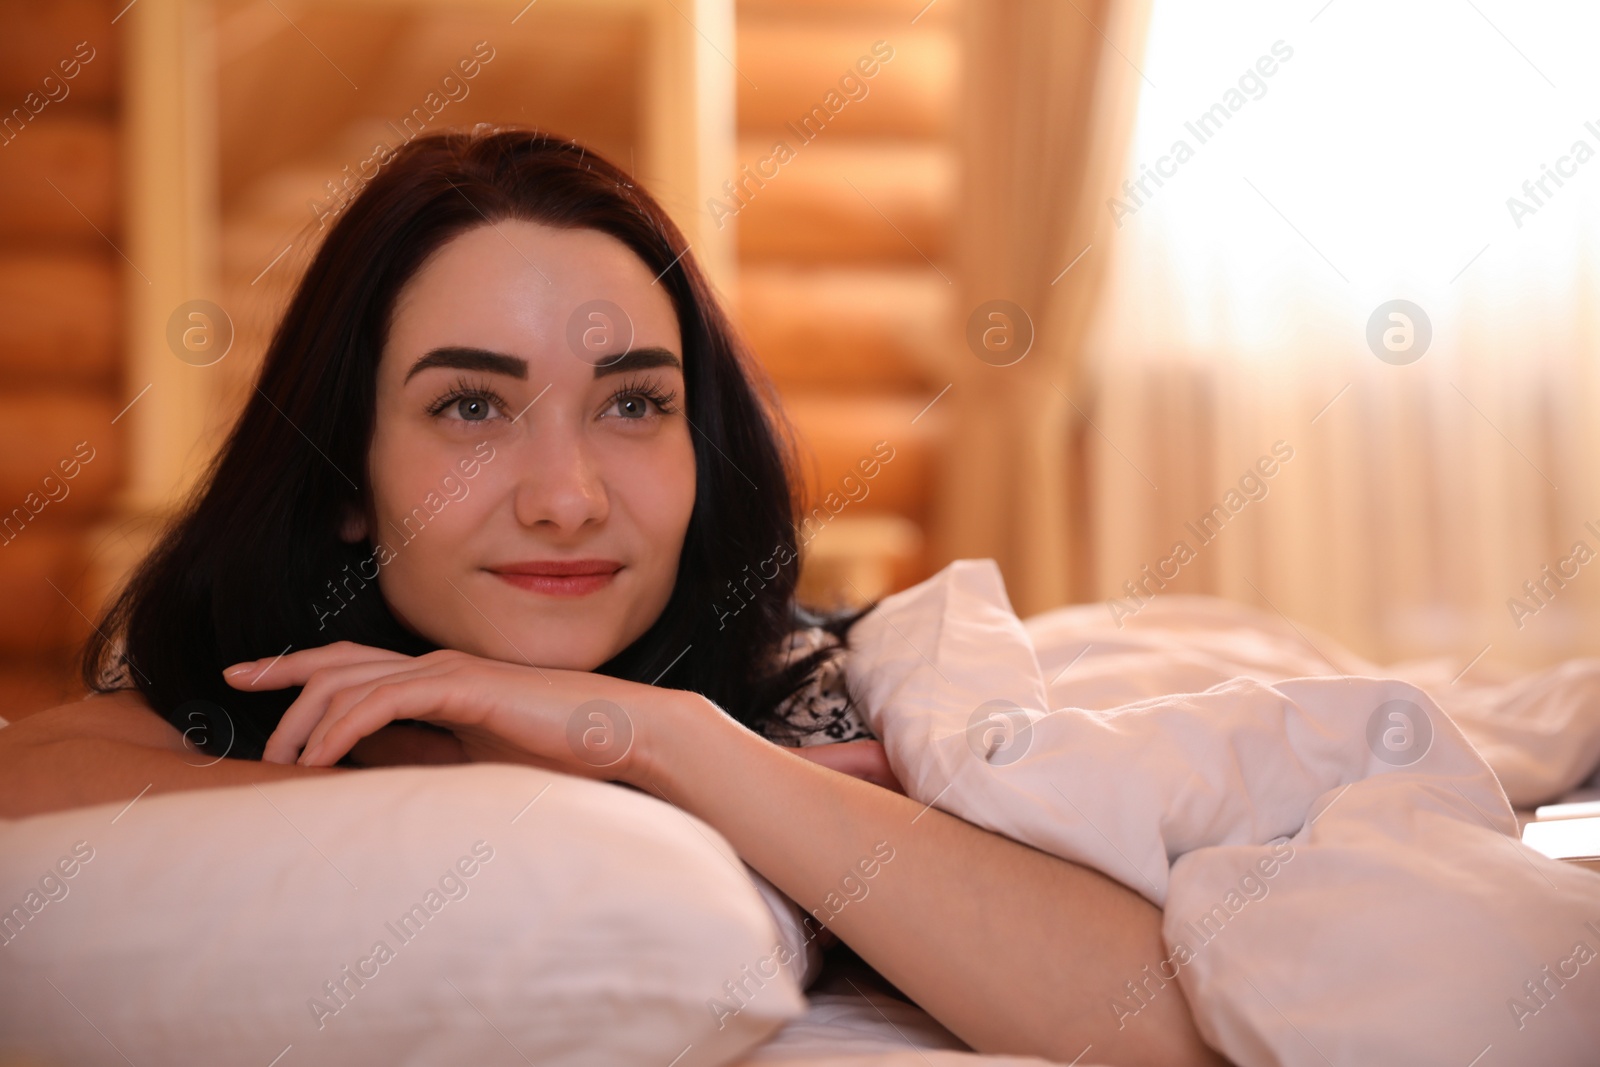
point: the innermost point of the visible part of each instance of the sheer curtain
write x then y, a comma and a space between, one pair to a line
1433, 464
1048, 109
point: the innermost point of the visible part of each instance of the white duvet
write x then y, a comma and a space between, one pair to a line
1336, 857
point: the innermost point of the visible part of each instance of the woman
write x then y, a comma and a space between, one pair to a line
507, 472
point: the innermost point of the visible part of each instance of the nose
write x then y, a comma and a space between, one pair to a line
560, 487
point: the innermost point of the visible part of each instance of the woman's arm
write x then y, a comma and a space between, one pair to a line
1010, 948
108, 748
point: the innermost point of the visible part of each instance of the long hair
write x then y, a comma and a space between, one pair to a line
237, 574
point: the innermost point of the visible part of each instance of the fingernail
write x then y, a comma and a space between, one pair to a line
311, 753
238, 669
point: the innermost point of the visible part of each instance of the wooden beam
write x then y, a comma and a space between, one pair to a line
688, 105
171, 240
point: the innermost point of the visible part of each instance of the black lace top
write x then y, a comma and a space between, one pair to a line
820, 712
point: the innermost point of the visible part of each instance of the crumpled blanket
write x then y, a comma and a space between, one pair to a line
1337, 861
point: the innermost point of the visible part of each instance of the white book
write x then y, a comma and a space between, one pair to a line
1576, 840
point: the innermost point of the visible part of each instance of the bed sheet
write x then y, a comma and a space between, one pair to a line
855, 1019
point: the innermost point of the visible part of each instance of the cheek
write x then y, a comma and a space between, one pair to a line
666, 491
422, 527
402, 477
657, 493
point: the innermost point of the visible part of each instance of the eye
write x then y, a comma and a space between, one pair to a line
635, 401
473, 408
467, 403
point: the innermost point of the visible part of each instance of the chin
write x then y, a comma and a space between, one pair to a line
557, 648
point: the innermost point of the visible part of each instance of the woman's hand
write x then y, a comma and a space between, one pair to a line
859, 759
572, 721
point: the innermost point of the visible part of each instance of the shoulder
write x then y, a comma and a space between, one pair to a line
821, 710
123, 715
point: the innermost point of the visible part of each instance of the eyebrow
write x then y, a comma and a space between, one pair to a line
481, 359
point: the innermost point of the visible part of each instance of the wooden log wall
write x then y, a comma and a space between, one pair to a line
61, 280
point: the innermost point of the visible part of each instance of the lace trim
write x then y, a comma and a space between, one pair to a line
821, 711
115, 674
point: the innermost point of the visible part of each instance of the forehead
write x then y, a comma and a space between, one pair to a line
521, 287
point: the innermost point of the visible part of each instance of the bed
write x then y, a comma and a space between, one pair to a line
1334, 844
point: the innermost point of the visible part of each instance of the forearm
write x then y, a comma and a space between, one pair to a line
1010, 948
55, 775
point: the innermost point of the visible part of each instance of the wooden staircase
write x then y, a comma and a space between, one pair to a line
843, 285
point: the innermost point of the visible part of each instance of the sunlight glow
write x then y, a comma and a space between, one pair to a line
1377, 159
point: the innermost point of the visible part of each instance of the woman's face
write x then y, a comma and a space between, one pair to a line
522, 433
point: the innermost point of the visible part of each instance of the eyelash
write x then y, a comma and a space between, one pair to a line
466, 390
661, 398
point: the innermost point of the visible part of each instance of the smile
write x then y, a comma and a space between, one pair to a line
559, 578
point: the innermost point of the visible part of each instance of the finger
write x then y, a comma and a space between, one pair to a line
875, 766
890, 782
311, 705
865, 760
848, 757
424, 693
293, 668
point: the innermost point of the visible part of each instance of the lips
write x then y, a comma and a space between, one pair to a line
560, 568
575, 577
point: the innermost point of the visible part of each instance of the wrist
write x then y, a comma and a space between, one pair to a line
682, 725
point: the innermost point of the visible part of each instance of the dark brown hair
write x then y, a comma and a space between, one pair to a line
238, 573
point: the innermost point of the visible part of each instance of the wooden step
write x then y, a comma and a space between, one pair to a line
846, 329
859, 558
567, 67
59, 182
274, 211
251, 244
842, 203
60, 317
62, 459
841, 454
794, 66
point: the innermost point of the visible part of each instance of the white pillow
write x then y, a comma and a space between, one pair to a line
575, 921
